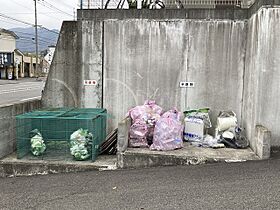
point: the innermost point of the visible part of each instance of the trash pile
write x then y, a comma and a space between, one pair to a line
38, 146
164, 131
154, 129
81, 144
227, 132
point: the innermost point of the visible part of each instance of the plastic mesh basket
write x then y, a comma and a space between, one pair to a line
56, 126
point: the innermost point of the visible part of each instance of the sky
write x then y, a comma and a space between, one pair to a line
51, 13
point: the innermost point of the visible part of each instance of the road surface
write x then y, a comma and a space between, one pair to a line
248, 185
21, 90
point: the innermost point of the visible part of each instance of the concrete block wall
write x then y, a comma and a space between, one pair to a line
8, 124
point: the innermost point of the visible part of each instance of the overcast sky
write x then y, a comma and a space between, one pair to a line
50, 16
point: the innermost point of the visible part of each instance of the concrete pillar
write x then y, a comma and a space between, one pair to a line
263, 139
22, 69
123, 138
31, 68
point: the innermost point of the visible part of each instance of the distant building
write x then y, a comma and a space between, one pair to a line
47, 58
49, 54
14, 63
29, 60
7, 48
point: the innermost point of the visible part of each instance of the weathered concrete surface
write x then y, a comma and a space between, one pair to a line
164, 14
78, 57
8, 124
91, 56
64, 79
263, 139
122, 141
262, 75
147, 59
189, 155
11, 166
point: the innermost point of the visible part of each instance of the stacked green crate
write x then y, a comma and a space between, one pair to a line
57, 124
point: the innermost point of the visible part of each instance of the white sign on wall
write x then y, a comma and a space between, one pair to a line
187, 84
90, 82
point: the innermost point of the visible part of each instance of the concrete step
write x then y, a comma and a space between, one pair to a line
10, 166
189, 155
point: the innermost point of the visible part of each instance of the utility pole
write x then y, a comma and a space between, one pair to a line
36, 38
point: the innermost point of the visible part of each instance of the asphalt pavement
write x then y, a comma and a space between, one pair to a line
13, 91
247, 185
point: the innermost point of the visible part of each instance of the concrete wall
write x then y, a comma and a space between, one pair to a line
78, 57
138, 54
91, 63
8, 124
147, 59
261, 99
62, 86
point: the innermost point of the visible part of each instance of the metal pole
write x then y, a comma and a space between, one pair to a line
81, 4
36, 39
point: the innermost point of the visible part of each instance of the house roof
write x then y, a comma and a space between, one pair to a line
9, 32
19, 52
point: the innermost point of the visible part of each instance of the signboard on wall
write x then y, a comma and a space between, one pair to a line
6, 59
90, 82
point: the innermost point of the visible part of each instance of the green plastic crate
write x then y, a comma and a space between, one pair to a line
56, 125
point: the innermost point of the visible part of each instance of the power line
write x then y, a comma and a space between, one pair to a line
52, 7
20, 4
11, 18
40, 40
24, 33
63, 3
26, 41
26, 23
6, 21
48, 30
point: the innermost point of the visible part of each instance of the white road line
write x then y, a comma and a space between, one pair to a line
21, 85
19, 90
28, 99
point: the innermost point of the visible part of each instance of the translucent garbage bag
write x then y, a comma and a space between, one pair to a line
146, 111
81, 144
38, 146
144, 118
168, 132
138, 134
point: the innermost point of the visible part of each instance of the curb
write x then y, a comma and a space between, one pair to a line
30, 169
129, 160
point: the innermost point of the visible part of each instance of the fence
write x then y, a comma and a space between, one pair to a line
101, 4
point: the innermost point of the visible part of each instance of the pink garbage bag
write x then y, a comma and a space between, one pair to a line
143, 111
144, 118
168, 132
138, 134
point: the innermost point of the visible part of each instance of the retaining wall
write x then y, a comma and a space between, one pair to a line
8, 124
